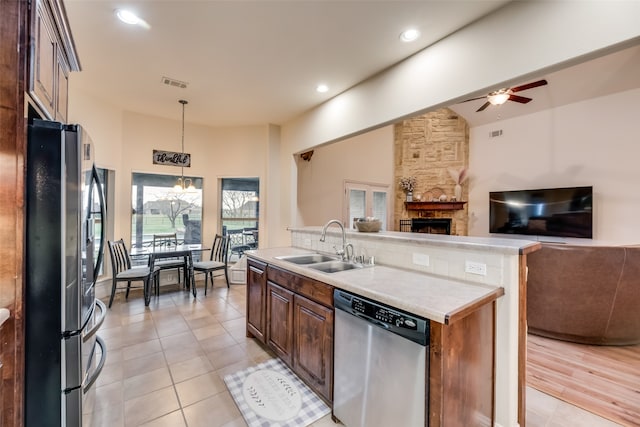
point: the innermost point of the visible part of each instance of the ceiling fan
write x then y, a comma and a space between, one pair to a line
499, 97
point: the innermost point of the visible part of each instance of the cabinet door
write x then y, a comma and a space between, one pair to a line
45, 61
313, 353
280, 321
256, 289
63, 89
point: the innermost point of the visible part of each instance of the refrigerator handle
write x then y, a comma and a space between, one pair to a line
96, 178
97, 322
103, 357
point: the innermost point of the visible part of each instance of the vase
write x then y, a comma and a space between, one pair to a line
409, 196
457, 192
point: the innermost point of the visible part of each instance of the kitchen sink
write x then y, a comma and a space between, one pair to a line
307, 258
334, 266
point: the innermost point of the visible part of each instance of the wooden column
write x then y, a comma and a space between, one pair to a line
13, 65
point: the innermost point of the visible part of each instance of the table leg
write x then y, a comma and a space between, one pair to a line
192, 279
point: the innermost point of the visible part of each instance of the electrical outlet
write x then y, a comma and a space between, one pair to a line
170, 278
475, 268
421, 259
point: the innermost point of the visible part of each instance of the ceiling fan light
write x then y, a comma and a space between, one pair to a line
498, 98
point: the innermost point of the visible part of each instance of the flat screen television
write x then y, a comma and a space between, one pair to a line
561, 212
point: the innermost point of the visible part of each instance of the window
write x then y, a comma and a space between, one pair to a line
366, 200
158, 208
240, 203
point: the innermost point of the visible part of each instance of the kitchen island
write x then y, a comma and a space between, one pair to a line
439, 264
291, 311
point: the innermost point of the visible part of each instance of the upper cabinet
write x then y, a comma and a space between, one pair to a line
53, 57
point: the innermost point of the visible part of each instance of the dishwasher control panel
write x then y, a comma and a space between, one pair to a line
383, 314
408, 325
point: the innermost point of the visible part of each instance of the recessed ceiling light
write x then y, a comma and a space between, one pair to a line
409, 35
322, 88
127, 17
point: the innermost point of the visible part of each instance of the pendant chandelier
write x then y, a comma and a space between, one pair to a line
183, 184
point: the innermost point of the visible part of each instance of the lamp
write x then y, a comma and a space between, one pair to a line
183, 184
498, 97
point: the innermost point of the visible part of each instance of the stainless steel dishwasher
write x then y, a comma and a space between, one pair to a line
380, 364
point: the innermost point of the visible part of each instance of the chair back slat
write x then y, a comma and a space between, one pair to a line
220, 249
119, 256
165, 240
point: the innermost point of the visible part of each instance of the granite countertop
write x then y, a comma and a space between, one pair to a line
436, 298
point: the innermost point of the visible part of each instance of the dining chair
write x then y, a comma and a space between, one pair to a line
168, 241
237, 242
250, 237
123, 272
218, 261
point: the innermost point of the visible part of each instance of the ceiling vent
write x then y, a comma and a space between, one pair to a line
173, 82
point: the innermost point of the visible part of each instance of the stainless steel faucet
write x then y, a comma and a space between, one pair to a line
341, 251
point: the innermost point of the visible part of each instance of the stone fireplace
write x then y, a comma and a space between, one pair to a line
425, 147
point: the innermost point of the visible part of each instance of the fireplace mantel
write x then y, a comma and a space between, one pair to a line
434, 206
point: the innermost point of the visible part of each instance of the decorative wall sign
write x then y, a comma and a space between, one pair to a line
171, 158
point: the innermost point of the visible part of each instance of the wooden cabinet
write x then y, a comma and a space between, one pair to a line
293, 315
53, 57
313, 353
462, 370
45, 60
62, 90
280, 321
300, 316
256, 299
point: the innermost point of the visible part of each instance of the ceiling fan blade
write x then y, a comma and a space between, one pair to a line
485, 105
520, 99
474, 99
529, 86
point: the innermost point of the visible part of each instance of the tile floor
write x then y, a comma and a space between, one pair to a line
165, 365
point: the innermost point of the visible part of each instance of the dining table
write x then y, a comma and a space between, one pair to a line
186, 251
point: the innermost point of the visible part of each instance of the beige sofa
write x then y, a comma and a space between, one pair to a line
585, 294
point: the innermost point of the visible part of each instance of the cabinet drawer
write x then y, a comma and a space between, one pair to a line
312, 289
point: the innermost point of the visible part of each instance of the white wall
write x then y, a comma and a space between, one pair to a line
124, 141
364, 158
594, 142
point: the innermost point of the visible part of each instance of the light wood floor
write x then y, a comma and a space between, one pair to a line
604, 380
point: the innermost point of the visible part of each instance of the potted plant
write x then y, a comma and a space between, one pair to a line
459, 176
407, 184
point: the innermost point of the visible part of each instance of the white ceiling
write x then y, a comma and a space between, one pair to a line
257, 62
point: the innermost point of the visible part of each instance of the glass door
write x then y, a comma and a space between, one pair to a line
366, 200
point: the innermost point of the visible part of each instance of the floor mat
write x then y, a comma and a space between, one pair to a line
271, 395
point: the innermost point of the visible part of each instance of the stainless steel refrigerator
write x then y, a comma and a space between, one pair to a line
64, 252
